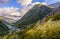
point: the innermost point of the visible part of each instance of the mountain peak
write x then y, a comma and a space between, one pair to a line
38, 12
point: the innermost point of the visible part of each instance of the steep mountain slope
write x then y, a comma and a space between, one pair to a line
56, 10
3, 28
57, 4
38, 12
46, 30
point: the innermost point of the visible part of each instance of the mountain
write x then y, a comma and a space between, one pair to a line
38, 12
3, 28
46, 30
53, 12
57, 4
49, 29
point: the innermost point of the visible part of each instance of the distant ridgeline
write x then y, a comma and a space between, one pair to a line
38, 12
4, 30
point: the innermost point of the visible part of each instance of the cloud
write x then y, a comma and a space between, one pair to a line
3, 1
28, 4
24, 2
10, 14
35, 3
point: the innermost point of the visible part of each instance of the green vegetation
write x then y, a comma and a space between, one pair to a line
54, 17
34, 25
1, 18
48, 30
4, 30
38, 12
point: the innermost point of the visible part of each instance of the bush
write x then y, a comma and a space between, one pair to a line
46, 30
56, 17
53, 17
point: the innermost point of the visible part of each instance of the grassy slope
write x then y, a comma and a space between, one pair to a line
3, 28
46, 30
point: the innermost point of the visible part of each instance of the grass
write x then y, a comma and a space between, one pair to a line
46, 30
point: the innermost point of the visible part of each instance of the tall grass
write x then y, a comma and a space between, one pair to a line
46, 30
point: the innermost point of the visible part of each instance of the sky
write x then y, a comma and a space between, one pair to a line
14, 3
11, 3
13, 7
17, 3
52, 1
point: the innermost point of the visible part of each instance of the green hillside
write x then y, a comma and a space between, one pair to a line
38, 12
3, 28
46, 30
38, 23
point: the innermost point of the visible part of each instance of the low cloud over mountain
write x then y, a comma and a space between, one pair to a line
10, 13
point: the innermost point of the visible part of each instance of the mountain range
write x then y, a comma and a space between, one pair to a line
35, 14
40, 22
38, 12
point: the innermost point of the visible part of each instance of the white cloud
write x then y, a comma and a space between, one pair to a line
35, 3
38, 3
27, 2
24, 2
26, 6
44, 3
10, 13
15, 13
